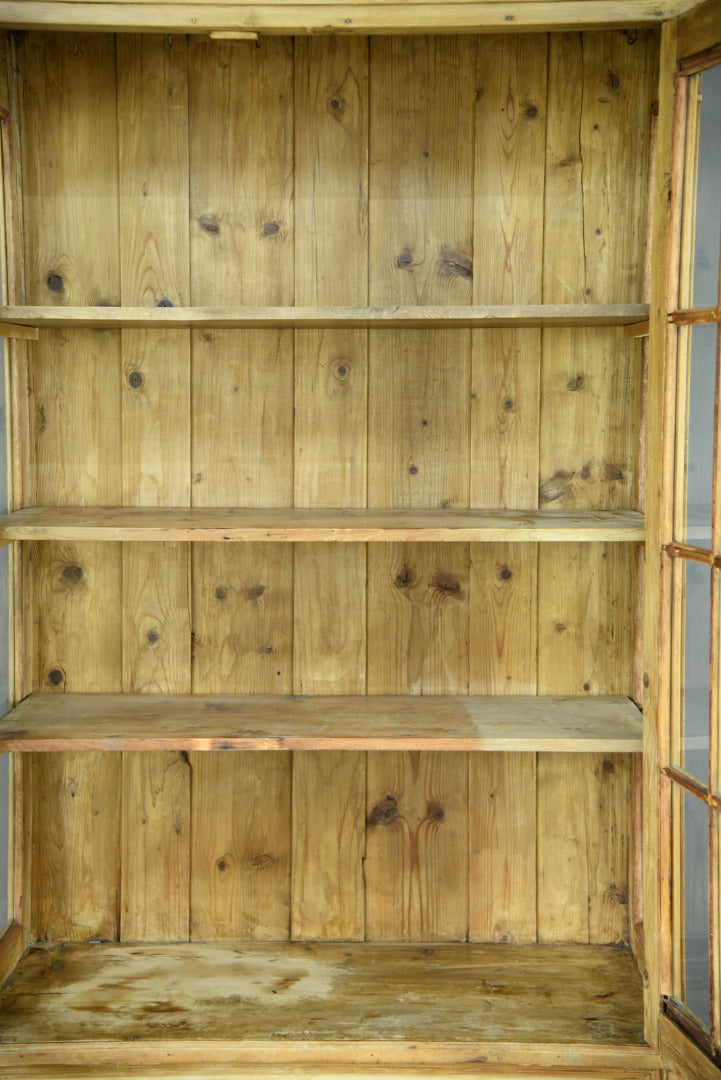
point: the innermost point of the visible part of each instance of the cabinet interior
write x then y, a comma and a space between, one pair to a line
170, 171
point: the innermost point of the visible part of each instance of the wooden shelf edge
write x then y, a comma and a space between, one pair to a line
14, 320
630, 1061
361, 17
47, 722
276, 525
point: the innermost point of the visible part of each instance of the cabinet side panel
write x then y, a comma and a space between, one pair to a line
70, 184
155, 395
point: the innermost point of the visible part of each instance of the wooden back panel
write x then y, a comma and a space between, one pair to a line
333, 171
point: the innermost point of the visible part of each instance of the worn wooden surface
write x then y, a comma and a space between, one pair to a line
373, 17
324, 992
178, 722
408, 316
423, 160
352, 526
291, 1072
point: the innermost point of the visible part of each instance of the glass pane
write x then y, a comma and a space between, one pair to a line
698, 455
694, 673
693, 985
708, 193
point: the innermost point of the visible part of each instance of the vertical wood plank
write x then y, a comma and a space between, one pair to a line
241, 190
331, 267
75, 865
241, 246
153, 177
240, 847
70, 184
242, 643
70, 181
418, 825
76, 797
502, 786
242, 437
329, 794
503, 622
510, 132
156, 786
502, 844
585, 646
422, 97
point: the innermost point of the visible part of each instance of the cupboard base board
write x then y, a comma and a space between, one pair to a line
295, 1002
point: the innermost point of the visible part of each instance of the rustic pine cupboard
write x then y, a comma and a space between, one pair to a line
338, 361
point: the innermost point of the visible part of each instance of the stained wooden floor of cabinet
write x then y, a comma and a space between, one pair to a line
321, 992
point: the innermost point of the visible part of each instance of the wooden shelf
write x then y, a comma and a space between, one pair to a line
398, 317
226, 18
284, 1001
273, 524
56, 722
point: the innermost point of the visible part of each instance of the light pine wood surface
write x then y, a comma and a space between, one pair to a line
324, 993
476, 425
182, 722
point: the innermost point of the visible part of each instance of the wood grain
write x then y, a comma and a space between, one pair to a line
276, 525
326, 993
276, 721
153, 160
399, 316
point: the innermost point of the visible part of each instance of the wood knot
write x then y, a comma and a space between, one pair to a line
135, 379
613, 80
531, 112
608, 766
446, 583
72, 573
413, 470
55, 676
646, 681
341, 370
576, 382
55, 282
384, 812
509, 405
506, 573
612, 472
560, 484
263, 862
434, 812
585, 472
209, 224
221, 865
405, 578
560, 627
221, 593
455, 264
405, 260
619, 895
164, 302
254, 593
270, 228
337, 105
152, 637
